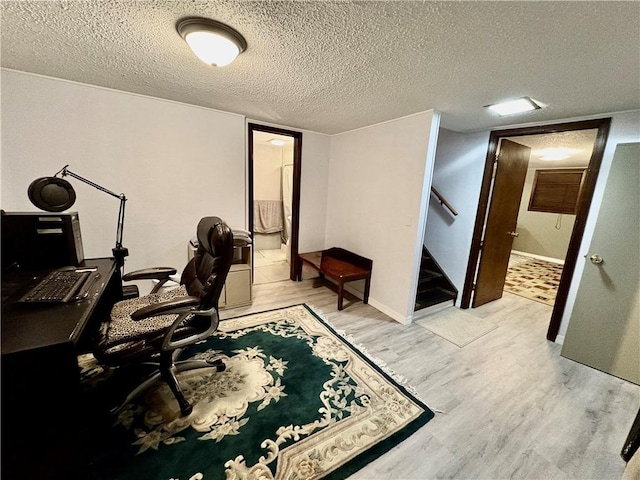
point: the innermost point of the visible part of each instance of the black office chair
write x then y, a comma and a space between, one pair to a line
162, 324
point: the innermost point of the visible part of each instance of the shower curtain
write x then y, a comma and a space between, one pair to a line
287, 199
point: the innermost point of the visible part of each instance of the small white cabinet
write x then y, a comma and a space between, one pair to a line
237, 287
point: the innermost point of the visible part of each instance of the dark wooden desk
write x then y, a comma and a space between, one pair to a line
42, 411
339, 265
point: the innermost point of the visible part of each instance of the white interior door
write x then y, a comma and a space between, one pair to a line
604, 329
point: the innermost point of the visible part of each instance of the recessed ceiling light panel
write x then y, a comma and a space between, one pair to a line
276, 142
512, 107
212, 42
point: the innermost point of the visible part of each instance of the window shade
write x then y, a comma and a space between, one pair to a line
556, 190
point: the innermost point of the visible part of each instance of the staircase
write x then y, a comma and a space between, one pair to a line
434, 288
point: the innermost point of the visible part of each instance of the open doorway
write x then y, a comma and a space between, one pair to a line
506, 171
548, 205
274, 201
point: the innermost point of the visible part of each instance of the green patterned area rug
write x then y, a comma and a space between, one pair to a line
297, 401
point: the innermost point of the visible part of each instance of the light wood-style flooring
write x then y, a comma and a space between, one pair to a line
511, 406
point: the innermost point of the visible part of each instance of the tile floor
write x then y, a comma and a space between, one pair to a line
270, 266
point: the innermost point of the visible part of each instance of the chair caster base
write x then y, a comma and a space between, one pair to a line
218, 363
169, 377
186, 409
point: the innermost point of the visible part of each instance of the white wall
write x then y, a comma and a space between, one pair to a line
314, 188
176, 163
457, 175
287, 151
541, 233
376, 180
267, 172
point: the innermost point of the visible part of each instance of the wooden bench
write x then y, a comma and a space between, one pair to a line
341, 266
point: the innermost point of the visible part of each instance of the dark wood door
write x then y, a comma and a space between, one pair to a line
510, 173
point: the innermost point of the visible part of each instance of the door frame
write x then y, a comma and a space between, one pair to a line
584, 205
297, 175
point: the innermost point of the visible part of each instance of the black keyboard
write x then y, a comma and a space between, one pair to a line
58, 287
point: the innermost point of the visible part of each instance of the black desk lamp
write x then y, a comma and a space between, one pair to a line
55, 194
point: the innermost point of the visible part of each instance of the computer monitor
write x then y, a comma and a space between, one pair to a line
33, 240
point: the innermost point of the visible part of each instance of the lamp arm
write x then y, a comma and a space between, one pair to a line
120, 229
119, 251
65, 171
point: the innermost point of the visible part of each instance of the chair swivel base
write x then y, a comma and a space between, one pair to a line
169, 376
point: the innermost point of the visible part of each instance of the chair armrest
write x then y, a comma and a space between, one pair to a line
181, 306
155, 273
168, 343
175, 306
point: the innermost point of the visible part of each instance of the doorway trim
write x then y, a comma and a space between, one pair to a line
584, 204
297, 175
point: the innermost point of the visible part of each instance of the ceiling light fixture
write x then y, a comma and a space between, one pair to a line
556, 153
511, 107
276, 142
213, 42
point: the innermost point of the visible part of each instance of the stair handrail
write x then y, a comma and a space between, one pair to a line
443, 201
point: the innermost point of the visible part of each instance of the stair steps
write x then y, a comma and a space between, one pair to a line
434, 288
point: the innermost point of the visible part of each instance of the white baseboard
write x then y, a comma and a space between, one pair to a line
398, 317
539, 257
560, 339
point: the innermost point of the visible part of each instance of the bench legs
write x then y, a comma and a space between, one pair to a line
365, 296
367, 286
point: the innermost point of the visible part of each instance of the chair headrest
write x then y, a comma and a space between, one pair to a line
207, 233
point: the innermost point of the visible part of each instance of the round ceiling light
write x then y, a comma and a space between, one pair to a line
213, 42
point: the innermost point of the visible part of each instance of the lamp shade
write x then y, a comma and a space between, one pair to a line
52, 194
212, 42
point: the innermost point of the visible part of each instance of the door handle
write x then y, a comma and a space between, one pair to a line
513, 234
596, 259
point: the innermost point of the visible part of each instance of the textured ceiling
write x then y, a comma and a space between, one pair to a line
581, 140
334, 66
